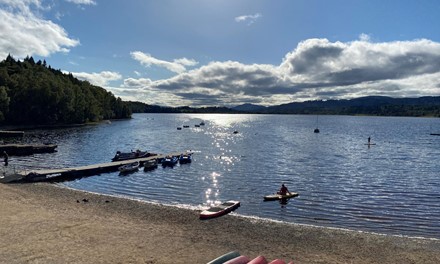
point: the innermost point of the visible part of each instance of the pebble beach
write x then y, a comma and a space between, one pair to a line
45, 223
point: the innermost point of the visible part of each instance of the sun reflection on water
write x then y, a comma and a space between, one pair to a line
212, 194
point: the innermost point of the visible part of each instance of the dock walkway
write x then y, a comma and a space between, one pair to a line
27, 149
77, 172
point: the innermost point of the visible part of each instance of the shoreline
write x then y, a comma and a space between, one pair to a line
43, 223
250, 217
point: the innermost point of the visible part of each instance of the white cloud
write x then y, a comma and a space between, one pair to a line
99, 79
186, 62
249, 19
177, 66
82, 2
23, 5
315, 69
136, 83
22, 33
364, 37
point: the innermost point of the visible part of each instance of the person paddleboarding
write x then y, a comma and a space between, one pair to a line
283, 190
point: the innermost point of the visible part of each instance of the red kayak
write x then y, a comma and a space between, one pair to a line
258, 260
219, 210
277, 261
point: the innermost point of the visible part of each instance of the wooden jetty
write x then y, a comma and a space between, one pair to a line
64, 174
27, 149
11, 133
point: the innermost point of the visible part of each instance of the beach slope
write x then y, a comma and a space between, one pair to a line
42, 223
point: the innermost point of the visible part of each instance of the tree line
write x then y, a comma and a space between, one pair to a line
33, 93
370, 105
138, 107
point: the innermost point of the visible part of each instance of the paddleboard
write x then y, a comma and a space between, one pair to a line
258, 260
370, 144
273, 197
223, 258
219, 210
238, 260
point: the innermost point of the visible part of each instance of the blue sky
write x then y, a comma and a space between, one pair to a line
229, 52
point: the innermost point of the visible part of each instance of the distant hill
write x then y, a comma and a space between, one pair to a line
370, 105
248, 108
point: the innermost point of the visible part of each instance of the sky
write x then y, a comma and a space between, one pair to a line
229, 52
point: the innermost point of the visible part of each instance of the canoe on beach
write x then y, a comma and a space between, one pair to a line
223, 258
219, 210
238, 260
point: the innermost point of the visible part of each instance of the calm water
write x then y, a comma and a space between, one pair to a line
392, 187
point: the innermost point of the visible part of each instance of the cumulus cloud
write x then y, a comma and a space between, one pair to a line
322, 62
99, 79
177, 66
136, 83
23, 33
315, 69
249, 19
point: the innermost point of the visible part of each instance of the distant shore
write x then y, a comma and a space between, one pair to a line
42, 223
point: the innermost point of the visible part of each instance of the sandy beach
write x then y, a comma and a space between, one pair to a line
42, 223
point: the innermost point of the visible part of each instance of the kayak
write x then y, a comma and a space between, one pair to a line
277, 261
273, 197
219, 210
258, 260
238, 260
223, 258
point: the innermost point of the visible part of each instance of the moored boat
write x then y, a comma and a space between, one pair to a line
150, 165
169, 161
185, 158
131, 155
134, 166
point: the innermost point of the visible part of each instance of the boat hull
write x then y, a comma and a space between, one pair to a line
274, 197
129, 167
169, 162
120, 156
219, 210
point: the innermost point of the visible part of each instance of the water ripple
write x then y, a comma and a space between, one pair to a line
392, 187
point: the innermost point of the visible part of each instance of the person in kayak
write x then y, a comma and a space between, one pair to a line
283, 190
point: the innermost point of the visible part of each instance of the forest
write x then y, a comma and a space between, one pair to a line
33, 93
